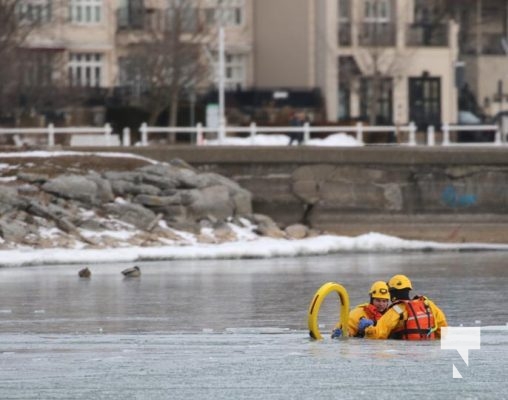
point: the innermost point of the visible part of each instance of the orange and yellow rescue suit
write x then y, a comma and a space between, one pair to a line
416, 319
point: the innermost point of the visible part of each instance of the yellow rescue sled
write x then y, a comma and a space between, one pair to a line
315, 305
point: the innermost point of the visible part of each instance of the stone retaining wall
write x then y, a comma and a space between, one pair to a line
412, 192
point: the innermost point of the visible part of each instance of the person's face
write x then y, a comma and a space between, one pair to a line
380, 304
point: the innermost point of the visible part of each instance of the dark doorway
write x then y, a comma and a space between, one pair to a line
425, 102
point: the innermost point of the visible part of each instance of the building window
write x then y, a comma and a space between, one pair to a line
234, 71
85, 11
344, 10
225, 12
37, 11
132, 77
189, 19
382, 98
36, 68
185, 16
376, 11
130, 14
85, 69
344, 111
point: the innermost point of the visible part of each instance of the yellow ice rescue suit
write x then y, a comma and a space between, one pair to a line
365, 310
416, 319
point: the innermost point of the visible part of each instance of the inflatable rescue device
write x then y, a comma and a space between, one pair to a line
315, 305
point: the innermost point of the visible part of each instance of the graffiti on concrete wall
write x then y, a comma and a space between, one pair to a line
452, 198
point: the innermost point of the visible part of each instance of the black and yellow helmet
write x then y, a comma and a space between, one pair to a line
399, 282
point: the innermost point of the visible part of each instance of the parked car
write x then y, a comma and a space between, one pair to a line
469, 118
499, 117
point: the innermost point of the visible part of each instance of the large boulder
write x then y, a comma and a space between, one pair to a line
211, 202
90, 190
14, 230
133, 214
266, 226
170, 175
9, 199
104, 190
122, 188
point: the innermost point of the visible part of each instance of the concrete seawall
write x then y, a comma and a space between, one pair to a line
431, 193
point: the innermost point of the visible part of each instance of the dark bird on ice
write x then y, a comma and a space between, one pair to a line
85, 273
133, 272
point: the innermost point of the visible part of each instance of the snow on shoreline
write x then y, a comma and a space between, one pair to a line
261, 247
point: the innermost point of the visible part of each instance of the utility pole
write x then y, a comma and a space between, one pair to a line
222, 105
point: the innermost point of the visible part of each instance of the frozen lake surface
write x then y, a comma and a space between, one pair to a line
251, 364
236, 329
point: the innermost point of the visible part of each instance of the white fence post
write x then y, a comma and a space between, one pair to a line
252, 132
126, 137
199, 134
107, 134
144, 134
51, 135
431, 136
412, 134
359, 132
306, 133
497, 139
221, 132
446, 134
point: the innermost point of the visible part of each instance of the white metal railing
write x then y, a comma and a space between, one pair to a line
447, 128
50, 131
197, 133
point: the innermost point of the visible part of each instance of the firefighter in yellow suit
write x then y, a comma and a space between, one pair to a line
409, 319
379, 300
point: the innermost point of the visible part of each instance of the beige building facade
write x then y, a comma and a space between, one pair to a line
81, 34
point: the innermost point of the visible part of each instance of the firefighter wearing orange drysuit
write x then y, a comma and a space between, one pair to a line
409, 319
379, 299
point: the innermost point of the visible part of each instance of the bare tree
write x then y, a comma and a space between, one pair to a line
168, 59
13, 33
27, 75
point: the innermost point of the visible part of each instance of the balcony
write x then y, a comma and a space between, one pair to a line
377, 34
140, 19
489, 44
421, 35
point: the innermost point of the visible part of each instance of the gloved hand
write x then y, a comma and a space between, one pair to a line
336, 333
364, 323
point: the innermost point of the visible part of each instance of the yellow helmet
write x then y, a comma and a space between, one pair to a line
399, 282
379, 290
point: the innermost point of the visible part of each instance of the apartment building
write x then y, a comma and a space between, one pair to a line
483, 49
380, 61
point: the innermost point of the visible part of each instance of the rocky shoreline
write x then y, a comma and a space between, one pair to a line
107, 201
